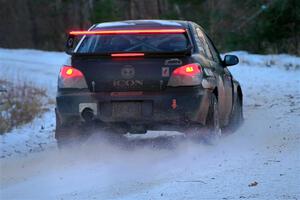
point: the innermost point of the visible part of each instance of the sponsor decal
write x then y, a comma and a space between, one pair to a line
174, 104
127, 72
165, 71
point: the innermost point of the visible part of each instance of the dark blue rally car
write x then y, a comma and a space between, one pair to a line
134, 76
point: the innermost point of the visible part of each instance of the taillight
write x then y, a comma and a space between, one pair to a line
70, 77
70, 72
187, 75
188, 70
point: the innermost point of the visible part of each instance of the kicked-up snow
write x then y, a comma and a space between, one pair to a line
260, 161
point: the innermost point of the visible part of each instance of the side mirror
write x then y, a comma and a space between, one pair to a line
230, 60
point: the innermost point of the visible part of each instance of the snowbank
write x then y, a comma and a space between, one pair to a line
33, 66
283, 61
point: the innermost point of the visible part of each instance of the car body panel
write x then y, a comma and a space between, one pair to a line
189, 103
127, 74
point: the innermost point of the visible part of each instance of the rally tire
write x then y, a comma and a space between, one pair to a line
237, 116
213, 118
67, 134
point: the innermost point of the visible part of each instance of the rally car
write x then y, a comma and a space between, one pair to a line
139, 75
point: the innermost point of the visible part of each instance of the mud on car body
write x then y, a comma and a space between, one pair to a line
134, 76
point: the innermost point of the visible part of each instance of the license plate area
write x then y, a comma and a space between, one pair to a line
126, 109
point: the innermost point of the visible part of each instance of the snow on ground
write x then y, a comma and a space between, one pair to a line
39, 68
282, 61
264, 150
35, 66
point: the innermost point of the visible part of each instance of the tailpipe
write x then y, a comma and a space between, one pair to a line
88, 115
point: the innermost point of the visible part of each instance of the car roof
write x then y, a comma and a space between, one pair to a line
132, 24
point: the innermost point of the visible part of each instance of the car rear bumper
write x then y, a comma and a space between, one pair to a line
174, 105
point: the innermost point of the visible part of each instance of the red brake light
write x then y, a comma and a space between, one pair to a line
70, 72
127, 54
141, 31
188, 70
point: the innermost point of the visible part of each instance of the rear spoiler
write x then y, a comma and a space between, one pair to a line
73, 34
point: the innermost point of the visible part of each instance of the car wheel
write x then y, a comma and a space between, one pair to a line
66, 134
212, 130
213, 120
119, 129
237, 116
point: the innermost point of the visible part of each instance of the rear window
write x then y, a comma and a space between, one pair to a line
134, 43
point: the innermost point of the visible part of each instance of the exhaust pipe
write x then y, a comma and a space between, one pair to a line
87, 115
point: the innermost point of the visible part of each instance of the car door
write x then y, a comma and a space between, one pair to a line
225, 84
223, 75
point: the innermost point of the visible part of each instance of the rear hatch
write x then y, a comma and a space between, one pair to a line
127, 74
131, 60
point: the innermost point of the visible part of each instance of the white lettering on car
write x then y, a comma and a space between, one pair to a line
127, 83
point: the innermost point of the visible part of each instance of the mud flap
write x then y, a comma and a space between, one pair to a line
202, 110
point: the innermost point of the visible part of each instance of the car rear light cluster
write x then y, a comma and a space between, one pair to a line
187, 70
131, 31
70, 77
70, 72
187, 75
127, 54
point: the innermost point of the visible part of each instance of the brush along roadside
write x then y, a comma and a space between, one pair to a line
20, 103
